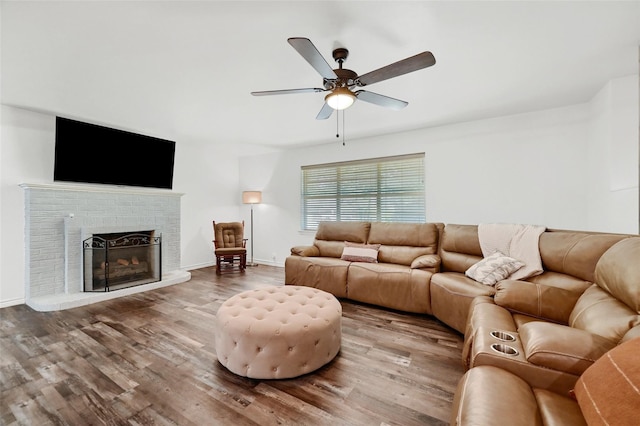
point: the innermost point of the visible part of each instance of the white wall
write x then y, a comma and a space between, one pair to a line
208, 176
613, 157
25, 154
535, 168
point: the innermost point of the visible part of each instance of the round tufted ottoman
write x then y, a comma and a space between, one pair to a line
278, 332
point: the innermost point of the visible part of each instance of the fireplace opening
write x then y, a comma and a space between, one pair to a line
119, 260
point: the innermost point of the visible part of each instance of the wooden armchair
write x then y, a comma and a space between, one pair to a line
230, 246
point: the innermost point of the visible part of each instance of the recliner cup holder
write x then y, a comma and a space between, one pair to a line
504, 349
503, 335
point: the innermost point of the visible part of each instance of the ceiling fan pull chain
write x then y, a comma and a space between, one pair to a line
342, 128
337, 124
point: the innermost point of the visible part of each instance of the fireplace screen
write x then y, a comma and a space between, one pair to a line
120, 260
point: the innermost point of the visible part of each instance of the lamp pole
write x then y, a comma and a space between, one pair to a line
252, 263
252, 197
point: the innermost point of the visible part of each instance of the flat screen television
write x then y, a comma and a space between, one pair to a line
89, 153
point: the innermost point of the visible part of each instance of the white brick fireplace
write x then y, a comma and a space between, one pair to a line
58, 217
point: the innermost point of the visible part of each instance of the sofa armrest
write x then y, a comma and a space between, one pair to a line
560, 347
430, 262
537, 300
305, 251
483, 312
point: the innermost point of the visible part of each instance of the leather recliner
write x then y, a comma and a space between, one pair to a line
557, 333
606, 393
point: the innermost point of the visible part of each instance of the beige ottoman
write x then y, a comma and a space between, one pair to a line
278, 332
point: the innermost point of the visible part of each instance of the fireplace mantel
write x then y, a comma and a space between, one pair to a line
101, 188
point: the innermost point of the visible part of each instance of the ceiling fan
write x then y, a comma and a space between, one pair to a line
341, 82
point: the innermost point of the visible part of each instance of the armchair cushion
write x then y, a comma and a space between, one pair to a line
228, 234
536, 300
562, 348
227, 251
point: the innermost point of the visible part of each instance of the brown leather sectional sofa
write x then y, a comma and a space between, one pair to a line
545, 330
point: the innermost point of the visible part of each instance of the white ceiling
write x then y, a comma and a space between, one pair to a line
184, 70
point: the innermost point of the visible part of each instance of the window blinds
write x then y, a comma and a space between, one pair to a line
389, 189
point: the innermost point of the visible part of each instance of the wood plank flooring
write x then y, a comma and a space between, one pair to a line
149, 359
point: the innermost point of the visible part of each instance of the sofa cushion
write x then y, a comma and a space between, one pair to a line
558, 410
488, 395
330, 236
404, 234
459, 247
402, 243
631, 334
360, 252
324, 273
493, 268
356, 232
329, 248
390, 285
600, 313
451, 297
574, 253
608, 391
618, 272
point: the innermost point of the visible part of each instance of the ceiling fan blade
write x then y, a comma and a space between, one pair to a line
325, 112
413, 63
313, 56
381, 100
287, 91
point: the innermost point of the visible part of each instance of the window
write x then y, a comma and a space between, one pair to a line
389, 189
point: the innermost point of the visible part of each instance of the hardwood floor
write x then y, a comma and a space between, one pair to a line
149, 358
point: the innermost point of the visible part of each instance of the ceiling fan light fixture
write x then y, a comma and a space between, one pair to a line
340, 98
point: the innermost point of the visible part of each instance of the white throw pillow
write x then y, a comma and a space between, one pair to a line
493, 268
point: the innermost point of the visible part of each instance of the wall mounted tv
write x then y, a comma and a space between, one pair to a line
89, 153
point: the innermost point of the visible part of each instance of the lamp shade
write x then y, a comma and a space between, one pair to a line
340, 98
251, 197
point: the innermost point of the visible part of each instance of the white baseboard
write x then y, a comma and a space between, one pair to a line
12, 302
197, 266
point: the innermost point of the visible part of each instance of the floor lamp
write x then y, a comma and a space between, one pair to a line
252, 197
